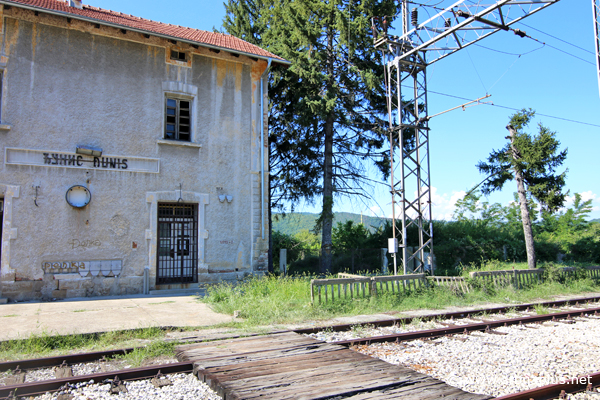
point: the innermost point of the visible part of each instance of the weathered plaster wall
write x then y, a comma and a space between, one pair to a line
65, 87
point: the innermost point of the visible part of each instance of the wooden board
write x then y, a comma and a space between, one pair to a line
292, 366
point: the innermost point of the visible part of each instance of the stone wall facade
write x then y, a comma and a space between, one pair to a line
69, 84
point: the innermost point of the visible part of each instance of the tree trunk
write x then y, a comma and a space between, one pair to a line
327, 213
525, 218
271, 269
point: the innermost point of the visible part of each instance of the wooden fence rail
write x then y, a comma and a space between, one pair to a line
455, 283
397, 283
517, 277
593, 272
526, 277
352, 286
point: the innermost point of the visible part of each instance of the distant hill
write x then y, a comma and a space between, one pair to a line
293, 223
595, 220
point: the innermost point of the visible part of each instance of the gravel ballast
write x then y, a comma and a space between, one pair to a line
184, 387
526, 357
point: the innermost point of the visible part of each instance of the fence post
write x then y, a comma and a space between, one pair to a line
373, 287
282, 261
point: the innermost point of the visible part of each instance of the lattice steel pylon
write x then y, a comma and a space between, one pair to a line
596, 14
406, 59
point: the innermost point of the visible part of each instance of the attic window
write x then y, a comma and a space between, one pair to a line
178, 56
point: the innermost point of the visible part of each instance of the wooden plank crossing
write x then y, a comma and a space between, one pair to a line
291, 366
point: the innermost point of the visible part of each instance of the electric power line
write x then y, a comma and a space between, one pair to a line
562, 51
517, 109
557, 38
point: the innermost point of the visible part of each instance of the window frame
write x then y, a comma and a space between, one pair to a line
177, 54
176, 133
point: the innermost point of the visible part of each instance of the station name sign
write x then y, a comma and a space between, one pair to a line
44, 158
70, 160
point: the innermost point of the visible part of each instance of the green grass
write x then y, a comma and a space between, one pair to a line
163, 302
277, 300
265, 301
495, 265
541, 310
47, 345
157, 348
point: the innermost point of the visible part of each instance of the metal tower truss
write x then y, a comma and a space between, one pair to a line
406, 59
409, 156
459, 25
596, 13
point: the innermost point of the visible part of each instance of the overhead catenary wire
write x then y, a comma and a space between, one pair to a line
516, 109
557, 38
425, 6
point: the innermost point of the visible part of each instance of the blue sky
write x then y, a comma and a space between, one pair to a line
517, 72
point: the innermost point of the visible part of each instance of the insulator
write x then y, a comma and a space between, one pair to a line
414, 16
448, 23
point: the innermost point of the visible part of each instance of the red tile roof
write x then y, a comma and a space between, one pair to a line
201, 37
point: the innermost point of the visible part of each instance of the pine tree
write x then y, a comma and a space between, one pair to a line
328, 108
532, 162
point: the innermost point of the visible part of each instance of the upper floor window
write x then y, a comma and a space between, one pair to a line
178, 119
178, 55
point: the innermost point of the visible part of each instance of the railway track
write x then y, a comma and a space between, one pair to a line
113, 377
558, 390
456, 315
547, 392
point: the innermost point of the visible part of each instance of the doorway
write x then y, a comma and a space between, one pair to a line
177, 243
1, 224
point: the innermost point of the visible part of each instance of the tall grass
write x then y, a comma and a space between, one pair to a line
46, 345
278, 300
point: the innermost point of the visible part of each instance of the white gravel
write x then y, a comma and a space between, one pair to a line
185, 387
525, 358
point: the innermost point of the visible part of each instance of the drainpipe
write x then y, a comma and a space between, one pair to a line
262, 147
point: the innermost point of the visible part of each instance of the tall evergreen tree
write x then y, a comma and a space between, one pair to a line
532, 162
328, 108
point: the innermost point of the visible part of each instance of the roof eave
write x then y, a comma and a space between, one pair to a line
142, 31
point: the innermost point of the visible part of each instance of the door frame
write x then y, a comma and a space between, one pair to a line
172, 196
177, 261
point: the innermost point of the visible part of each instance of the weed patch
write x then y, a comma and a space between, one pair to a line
277, 300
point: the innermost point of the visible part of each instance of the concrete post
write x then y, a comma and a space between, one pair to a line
282, 261
146, 280
384, 261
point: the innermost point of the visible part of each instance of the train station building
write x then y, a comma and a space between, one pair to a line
133, 153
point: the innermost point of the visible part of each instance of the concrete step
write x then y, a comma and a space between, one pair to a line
179, 292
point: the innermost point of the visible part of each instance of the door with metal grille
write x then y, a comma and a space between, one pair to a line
1, 223
177, 243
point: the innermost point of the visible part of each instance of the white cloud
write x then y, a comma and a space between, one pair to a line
585, 196
443, 205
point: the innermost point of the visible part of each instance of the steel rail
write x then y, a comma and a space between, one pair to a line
556, 390
451, 315
130, 374
460, 329
70, 359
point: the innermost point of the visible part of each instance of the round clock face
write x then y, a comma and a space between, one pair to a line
78, 196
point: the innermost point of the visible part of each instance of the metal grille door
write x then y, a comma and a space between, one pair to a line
1, 223
177, 243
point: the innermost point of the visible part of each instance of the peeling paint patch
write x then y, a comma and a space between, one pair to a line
221, 67
34, 40
12, 38
239, 68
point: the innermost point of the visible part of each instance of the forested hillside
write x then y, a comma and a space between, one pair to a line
294, 223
